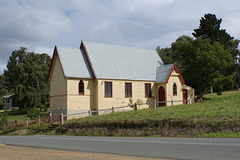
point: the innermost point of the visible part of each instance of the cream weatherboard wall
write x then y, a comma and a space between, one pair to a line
58, 86
118, 98
190, 93
174, 78
80, 103
65, 97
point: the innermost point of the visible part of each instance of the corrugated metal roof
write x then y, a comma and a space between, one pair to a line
74, 62
119, 62
7, 96
163, 72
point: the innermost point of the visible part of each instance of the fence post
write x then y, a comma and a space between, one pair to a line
26, 122
62, 119
155, 104
90, 112
50, 115
172, 102
39, 119
15, 124
6, 126
112, 109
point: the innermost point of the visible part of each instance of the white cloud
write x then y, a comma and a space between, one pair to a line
2, 68
35, 25
39, 25
42, 49
24, 24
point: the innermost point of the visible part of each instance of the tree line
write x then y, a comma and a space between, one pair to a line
26, 78
208, 59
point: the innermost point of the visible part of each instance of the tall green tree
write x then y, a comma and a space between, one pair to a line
207, 60
172, 55
26, 76
3, 89
210, 28
166, 54
204, 62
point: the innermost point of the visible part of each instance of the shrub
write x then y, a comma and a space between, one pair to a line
134, 105
33, 112
3, 118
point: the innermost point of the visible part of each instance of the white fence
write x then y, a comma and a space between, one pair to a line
115, 109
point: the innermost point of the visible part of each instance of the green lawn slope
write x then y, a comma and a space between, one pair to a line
218, 116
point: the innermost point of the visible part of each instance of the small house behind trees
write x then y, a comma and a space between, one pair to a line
98, 76
8, 102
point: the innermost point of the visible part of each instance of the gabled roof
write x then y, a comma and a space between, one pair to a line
164, 72
120, 62
102, 61
7, 96
73, 62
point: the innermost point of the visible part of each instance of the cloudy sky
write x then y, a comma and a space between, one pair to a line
39, 25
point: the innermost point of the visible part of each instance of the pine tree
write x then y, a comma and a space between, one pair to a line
210, 28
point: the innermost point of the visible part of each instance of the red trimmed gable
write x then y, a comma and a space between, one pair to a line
175, 68
83, 47
51, 65
55, 53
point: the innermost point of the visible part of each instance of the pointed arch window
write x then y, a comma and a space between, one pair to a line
174, 89
81, 88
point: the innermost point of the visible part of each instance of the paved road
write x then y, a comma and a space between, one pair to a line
172, 148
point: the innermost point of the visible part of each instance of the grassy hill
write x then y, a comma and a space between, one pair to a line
217, 116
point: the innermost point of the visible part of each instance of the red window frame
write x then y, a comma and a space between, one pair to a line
148, 90
108, 89
174, 89
81, 87
128, 90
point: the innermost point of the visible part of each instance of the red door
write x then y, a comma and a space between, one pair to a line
184, 96
161, 96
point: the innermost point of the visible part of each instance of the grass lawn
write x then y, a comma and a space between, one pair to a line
218, 116
215, 107
20, 115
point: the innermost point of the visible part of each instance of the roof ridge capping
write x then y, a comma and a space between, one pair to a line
120, 62
66, 47
115, 45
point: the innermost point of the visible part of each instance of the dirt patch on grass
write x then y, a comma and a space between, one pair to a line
16, 152
165, 127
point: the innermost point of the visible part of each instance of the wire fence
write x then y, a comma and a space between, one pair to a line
97, 112
19, 124
16, 124
121, 108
